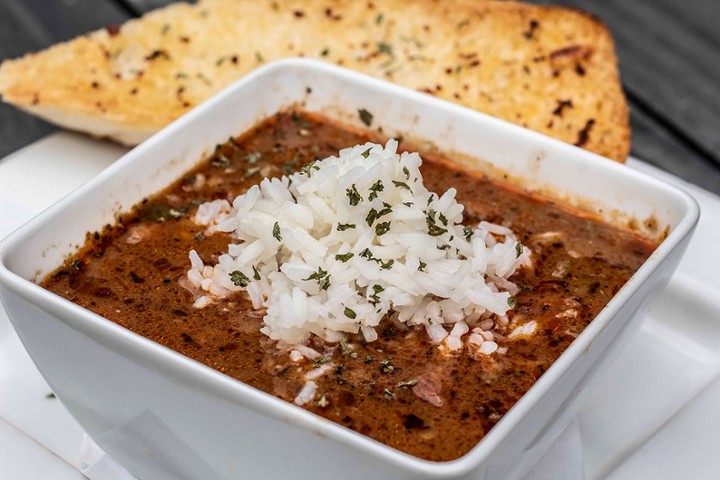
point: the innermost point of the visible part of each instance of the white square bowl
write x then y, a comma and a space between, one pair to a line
165, 416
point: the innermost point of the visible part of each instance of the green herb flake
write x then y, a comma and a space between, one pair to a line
512, 303
344, 257
220, 159
408, 383
386, 366
350, 313
341, 227
402, 185
256, 274
385, 48
322, 278
375, 214
377, 289
366, 154
309, 168
468, 232
319, 361
518, 249
379, 19
50, 395
433, 229
382, 228
253, 157
199, 237
239, 279
324, 52
365, 116
422, 266
406, 172
276, 232
387, 265
353, 195
375, 189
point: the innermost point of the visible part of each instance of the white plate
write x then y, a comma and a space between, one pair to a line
654, 415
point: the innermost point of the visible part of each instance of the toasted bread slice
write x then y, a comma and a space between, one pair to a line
550, 69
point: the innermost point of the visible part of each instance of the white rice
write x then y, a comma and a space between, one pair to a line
336, 247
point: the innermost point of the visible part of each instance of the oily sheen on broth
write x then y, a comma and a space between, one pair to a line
401, 389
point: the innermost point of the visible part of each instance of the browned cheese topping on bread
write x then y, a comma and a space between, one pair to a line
550, 69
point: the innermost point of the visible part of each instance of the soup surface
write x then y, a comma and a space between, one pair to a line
401, 389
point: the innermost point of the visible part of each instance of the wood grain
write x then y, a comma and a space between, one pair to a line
669, 56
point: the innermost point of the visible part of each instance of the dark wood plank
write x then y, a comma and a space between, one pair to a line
660, 147
669, 55
32, 25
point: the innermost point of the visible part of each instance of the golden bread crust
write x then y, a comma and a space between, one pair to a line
550, 69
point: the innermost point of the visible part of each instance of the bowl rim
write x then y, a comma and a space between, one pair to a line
173, 362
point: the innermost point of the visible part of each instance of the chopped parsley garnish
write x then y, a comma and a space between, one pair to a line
276, 232
402, 185
406, 172
308, 169
518, 249
374, 189
387, 265
365, 116
341, 227
239, 279
322, 278
434, 229
386, 366
385, 48
379, 19
344, 257
422, 266
253, 157
512, 303
256, 274
220, 159
324, 52
377, 289
199, 237
350, 313
375, 214
353, 195
382, 228
468, 232
408, 383
366, 153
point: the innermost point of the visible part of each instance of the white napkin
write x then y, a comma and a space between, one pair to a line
563, 460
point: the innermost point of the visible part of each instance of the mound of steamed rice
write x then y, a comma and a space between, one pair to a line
348, 240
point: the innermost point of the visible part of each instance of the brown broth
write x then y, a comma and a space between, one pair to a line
372, 391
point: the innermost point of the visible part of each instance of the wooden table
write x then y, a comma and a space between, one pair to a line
669, 59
